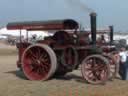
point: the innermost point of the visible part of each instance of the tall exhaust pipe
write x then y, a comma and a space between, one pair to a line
93, 27
111, 34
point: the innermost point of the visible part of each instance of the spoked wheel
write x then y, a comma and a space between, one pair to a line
95, 69
39, 62
69, 57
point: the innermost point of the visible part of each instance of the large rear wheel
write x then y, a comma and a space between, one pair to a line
39, 62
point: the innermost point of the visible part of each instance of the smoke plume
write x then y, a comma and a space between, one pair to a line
79, 4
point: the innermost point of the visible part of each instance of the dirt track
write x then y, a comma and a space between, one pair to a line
13, 83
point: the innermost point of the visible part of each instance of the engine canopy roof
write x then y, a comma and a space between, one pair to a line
65, 24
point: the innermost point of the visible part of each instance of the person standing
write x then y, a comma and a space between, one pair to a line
123, 64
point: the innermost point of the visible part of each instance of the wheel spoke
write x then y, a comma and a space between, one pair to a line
91, 76
41, 71
39, 52
87, 67
103, 74
31, 54
94, 61
89, 73
44, 66
33, 59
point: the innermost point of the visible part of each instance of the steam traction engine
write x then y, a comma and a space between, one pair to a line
63, 52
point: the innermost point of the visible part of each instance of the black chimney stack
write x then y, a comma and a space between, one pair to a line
111, 34
93, 27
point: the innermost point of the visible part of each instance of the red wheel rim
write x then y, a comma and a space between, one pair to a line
36, 63
94, 70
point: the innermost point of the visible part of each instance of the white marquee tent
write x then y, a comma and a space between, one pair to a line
4, 32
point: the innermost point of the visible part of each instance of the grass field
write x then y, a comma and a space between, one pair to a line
7, 51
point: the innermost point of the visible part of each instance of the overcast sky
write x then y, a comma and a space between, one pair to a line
110, 12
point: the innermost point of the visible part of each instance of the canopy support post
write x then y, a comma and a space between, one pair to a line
20, 36
27, 35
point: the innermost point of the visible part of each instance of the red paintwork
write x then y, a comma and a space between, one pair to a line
44, 25
21, 47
